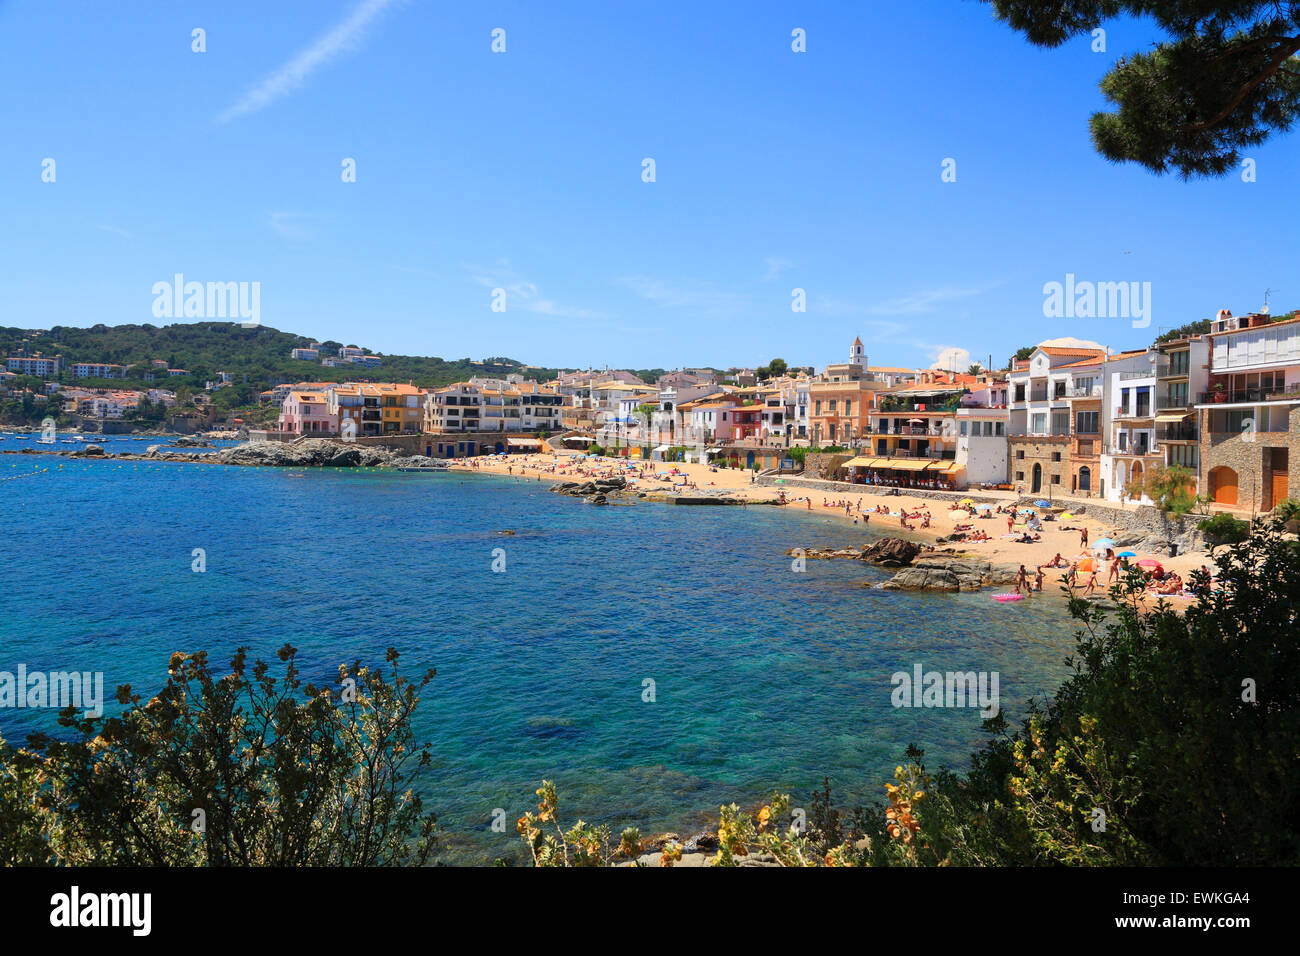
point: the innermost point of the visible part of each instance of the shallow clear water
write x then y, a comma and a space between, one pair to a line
764, 678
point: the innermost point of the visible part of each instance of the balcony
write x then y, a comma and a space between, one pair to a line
1140, 373
1244, 395
1143, 410
1167, 402
1038, 395
1182, 431
1093, 391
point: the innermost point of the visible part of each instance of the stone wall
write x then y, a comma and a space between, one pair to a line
820, 466
1020, 471
1249, 458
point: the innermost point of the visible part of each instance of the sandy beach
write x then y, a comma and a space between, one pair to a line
861, 509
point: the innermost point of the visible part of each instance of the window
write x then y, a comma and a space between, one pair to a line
1085, 423
1020, 454
817, 407
999, 428
1056, 479
1056, 456
848, 406
832, 404
1020, 476
1038, 423
1185, 455
963, 430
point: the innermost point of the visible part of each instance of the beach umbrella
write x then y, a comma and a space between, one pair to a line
983, 507
1066, 516
1087, 564
1150, 563
1025, 511
1041, 503
1101, 544
1128, 554
966, 501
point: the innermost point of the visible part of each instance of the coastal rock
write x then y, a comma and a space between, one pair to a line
891, 552
316, 452
186, 441
705, 840
90, 451
596, 491
939, 573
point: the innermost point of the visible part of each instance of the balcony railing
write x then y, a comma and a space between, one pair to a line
1141, 411
1139, 373
1038, 395
1245, 395
1086, 392
1182, 431
1164, 402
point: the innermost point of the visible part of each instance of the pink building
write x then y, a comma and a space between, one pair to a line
307, 413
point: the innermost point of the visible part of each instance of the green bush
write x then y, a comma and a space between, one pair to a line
1223, 528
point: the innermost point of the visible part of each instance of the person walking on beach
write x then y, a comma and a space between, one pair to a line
1022, 580
1038, 579
1113, 573
1011, 522
1083, 537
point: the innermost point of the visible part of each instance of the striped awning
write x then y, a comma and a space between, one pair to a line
1173, 416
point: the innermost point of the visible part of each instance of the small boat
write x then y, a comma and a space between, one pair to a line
46, 441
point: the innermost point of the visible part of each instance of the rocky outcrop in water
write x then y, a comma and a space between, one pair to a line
887, 552
596, 491
892, 552
313, 453
942, 573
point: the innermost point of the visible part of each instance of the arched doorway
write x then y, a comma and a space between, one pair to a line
1121, 478
1038, 478
1223, 485
1085, 478
1136, 479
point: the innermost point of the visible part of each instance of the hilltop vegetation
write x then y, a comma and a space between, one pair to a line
256, 357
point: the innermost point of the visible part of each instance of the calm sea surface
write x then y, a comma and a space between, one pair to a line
763, 678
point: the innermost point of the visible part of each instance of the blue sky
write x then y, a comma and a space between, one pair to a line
522, 171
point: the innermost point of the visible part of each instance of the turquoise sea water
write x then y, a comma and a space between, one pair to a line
764, 678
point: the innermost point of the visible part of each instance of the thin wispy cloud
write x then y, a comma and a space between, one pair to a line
774, 266
114, 230
291, 225
925, 301
698, 296
290, 77
522, 294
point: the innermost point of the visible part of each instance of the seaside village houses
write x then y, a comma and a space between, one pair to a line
1070, 420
